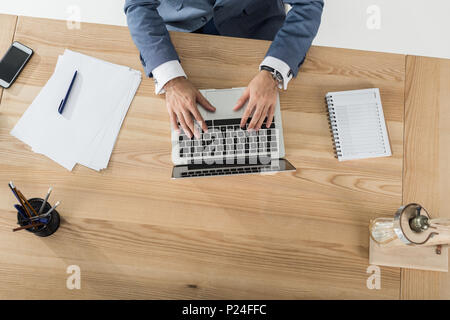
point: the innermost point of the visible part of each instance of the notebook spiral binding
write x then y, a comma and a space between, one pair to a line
380, 128
333, 126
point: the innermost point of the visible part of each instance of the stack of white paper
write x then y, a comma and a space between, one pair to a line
87, 130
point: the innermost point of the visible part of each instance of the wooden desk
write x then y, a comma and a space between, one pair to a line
137, 234
427, 159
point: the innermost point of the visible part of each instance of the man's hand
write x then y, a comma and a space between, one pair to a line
181, 102
261, 93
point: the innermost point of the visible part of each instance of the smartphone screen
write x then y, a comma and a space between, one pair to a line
12, 63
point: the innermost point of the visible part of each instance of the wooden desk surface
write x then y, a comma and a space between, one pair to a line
427, 159
137, 234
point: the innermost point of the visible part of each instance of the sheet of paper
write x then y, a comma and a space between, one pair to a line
87, 130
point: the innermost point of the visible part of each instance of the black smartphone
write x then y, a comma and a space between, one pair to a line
13, 62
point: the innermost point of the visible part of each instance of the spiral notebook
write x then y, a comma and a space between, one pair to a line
358, 125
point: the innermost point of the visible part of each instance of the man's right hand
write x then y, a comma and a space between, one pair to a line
181, 102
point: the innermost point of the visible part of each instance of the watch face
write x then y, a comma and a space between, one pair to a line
279, 77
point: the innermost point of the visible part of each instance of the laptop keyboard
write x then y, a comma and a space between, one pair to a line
227, 171
225, 138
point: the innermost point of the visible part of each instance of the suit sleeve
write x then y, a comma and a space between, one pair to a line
294, 39
149, 33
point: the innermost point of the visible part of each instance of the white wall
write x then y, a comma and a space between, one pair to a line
419, 27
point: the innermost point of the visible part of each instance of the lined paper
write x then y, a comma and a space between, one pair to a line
358, 124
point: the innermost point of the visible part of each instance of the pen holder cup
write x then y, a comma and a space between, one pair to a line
53, 220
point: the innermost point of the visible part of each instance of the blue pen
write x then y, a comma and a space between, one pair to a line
21, 211
11, 186
64, 101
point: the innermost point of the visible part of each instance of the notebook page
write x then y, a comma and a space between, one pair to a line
359, 124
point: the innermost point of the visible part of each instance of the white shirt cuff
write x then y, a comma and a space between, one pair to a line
165, 72
280, 66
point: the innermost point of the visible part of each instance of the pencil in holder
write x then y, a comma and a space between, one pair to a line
50, 223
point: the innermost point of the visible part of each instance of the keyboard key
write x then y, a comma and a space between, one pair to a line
225, 122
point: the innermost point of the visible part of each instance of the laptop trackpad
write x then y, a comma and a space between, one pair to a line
224, 101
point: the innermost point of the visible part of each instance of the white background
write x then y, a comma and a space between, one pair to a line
419, 27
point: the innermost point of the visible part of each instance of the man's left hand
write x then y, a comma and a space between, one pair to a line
261, 94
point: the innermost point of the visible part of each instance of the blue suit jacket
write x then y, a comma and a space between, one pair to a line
292, 35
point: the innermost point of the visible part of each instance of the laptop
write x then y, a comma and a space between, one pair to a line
226, 149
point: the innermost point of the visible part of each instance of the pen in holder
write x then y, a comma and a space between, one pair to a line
48, 224
36, 215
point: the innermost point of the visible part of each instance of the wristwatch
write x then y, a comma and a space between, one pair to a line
275, 74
